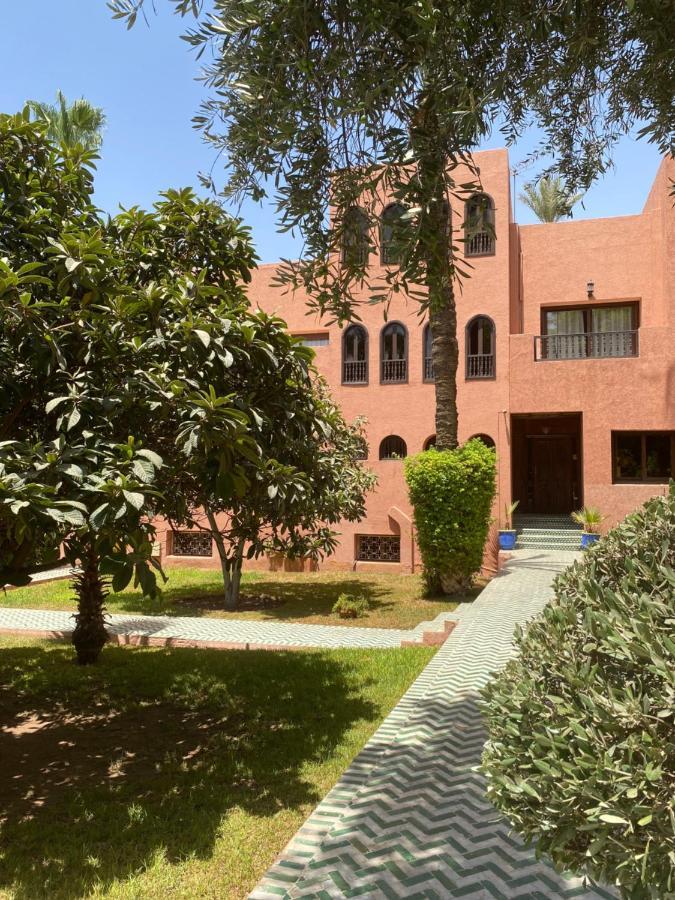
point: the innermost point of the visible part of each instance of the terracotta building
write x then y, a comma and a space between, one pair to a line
567, 365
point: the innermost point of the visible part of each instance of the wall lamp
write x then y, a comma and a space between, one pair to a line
590, 287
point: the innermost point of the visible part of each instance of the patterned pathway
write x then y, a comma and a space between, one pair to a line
409, 818
226, 633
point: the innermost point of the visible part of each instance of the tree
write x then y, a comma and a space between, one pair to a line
71, 124
549, 200
339, 103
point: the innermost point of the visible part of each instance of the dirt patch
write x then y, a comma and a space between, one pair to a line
247, 602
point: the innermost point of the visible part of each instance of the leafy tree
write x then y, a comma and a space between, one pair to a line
71, 124
549, 200
340, 103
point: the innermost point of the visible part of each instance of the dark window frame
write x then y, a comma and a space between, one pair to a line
392, 437
489, 228
587, 309
643, 435
406, 345
363, 244
427, 378
467, 348
385, 246
355, 327
393, 540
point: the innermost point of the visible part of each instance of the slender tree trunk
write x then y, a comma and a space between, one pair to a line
89, 635
232, 597
230, 565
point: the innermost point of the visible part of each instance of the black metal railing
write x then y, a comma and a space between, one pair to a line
394, 370
480, 365
355, 372
480, 243
590, 345
428, 368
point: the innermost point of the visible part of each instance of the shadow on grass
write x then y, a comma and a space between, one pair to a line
104, 769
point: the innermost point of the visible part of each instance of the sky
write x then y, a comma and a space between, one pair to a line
146, 81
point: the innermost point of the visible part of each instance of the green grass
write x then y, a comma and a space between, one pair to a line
395, 601
173, 773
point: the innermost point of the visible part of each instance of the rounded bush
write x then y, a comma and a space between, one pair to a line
581, 755
451, 492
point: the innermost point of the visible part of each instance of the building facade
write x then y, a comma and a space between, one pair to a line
567, 365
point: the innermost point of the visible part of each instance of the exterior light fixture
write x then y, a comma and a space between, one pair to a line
590, 287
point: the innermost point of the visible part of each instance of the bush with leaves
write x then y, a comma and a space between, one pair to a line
451, 492
581, 755
347, 607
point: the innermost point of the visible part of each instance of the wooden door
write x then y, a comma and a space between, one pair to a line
551, 474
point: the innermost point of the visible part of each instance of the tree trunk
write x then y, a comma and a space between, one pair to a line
89, 635
232, 594
230, 566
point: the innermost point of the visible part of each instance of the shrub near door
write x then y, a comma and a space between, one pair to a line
451, 492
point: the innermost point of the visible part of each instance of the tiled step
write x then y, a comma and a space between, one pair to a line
557, 523
561, 537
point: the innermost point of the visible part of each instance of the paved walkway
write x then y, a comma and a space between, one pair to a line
225, 633
409, 818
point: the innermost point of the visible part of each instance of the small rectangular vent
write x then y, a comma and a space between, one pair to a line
379, 548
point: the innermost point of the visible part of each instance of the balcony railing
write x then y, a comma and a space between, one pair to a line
596, 345
480, 365
428, 368
394, 370
480, 244
355, 372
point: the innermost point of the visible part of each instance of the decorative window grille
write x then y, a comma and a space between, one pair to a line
355, 355
394, 351
479, 225
378, 548
393, 447
191, 543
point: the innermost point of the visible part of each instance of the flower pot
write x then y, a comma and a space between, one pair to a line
507, 540
588, 538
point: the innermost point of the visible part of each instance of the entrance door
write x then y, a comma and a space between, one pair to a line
550, 473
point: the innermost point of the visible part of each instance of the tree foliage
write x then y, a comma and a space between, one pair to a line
452, 492
581, 755
71, 124
549, 200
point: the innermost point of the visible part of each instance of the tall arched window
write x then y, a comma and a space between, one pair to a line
393, 447
390, 234
355, 355
394, 353
356, 237
427, 361
479, 226
480, 348
484, 439
430, 442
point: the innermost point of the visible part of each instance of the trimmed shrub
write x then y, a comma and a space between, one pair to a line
581, 755
451, 492
351, 607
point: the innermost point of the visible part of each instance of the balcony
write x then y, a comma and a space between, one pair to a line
394, 371
480, 365
589, 345
355, 372
428, 368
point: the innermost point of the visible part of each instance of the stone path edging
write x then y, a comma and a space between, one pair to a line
409, 818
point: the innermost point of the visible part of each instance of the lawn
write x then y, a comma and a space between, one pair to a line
395, 601
173, 773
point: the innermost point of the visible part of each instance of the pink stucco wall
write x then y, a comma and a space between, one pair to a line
534, 266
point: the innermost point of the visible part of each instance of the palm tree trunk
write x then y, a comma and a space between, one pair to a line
89, 635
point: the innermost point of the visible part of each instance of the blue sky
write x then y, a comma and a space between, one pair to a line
145, 81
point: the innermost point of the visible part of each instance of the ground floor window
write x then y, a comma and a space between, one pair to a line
190, 543
643, 455
378, 548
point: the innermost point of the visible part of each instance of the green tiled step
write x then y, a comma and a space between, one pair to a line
557, 523
548, 546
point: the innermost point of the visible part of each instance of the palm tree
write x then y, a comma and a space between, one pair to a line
73, 123
549, 200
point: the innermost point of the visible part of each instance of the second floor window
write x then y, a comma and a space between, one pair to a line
393, 447
479, 226
391, 234
480, 348
355, 355
427, 362
394, 365
356, 237
589, 332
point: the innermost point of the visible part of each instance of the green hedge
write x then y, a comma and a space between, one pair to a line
581, 753
451, 492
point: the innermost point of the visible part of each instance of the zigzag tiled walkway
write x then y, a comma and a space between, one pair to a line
409, 818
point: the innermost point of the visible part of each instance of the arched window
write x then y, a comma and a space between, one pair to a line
479, 226
394, 353
484, 439
393, 447
430, 442
355, 239
480, 348
427, 361
355, 355
390, 234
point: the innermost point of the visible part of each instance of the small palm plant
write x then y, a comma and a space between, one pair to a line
509, 509
507, 536
589, 518
549, 199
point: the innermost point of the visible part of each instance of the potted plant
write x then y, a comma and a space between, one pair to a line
590, 520
507, 534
